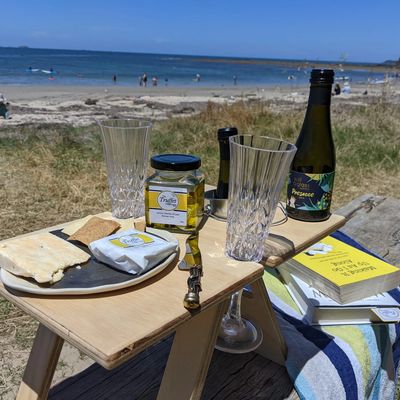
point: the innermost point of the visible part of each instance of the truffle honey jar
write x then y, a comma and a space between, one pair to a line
174, 194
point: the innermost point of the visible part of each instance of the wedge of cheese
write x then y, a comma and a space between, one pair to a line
40, 256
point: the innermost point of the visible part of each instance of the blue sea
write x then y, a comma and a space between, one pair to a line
26, 66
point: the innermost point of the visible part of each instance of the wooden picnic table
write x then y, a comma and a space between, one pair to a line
113, 327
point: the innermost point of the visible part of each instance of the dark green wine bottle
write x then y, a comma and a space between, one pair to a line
224, 159
312, 170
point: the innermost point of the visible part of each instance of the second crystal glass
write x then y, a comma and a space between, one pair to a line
258, 168
126, 146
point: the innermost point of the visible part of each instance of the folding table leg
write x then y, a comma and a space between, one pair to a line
41, 365
257, 308
190, 355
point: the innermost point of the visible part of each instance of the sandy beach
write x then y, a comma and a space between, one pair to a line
83, 105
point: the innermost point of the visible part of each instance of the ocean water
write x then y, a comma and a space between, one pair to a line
23, 66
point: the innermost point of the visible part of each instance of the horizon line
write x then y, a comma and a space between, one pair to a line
24, 47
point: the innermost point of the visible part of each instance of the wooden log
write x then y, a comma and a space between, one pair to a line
374, 221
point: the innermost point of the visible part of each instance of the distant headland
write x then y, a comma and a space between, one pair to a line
389, 66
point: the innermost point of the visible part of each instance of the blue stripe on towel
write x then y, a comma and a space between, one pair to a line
395, 293
396, 347
337, 356
382, 345
347, 239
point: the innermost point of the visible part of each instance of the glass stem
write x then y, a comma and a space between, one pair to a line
234, 306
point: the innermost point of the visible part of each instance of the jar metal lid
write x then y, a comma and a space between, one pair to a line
175, 162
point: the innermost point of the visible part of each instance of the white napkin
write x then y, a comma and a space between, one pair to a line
132, 251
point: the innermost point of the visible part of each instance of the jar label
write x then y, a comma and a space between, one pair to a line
310, 192
133, 240
168, 205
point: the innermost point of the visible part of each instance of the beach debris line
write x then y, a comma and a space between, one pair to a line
91, 102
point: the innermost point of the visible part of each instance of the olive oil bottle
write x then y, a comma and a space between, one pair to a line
312, 170
224, 159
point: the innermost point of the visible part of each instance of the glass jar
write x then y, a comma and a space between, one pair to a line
174, 194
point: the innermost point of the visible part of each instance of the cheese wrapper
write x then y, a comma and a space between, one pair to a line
132, 251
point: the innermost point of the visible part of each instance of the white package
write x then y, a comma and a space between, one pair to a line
132, 251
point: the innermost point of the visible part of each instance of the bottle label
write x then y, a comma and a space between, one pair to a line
168, 205
310, 192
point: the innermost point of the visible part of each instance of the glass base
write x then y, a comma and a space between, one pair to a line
238, 336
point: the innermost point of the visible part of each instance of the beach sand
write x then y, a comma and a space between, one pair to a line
83, 105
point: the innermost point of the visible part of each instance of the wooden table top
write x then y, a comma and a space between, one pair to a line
292, 237
114, 326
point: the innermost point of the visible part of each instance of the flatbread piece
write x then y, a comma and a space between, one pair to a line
94, 229
41, 256
127, 223
72, 227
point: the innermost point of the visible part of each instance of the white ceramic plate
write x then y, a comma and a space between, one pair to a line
107, 283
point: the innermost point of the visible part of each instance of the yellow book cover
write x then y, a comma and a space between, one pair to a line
341, 263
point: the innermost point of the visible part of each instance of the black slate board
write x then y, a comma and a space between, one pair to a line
91, 274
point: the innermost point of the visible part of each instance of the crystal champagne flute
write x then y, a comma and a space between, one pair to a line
258, 168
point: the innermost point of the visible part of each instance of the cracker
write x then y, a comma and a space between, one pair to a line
94, 229
72, 227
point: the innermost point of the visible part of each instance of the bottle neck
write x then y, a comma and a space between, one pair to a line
223, 177
224, 152
320, 95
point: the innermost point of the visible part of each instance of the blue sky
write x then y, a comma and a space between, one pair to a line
326, 30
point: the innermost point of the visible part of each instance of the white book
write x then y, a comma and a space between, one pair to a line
319, 309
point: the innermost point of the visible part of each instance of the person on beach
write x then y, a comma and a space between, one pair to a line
3, 107
197, 78
234, 80
154, 81
115, 79
144, 79
346, 88
337, 90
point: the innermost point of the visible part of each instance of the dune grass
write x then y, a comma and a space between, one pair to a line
54, 173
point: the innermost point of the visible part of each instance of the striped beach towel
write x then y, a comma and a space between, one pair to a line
349, 362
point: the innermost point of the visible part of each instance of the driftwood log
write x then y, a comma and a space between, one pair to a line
374, 221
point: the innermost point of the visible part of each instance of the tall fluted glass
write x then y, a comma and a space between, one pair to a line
126, 147
258, 168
